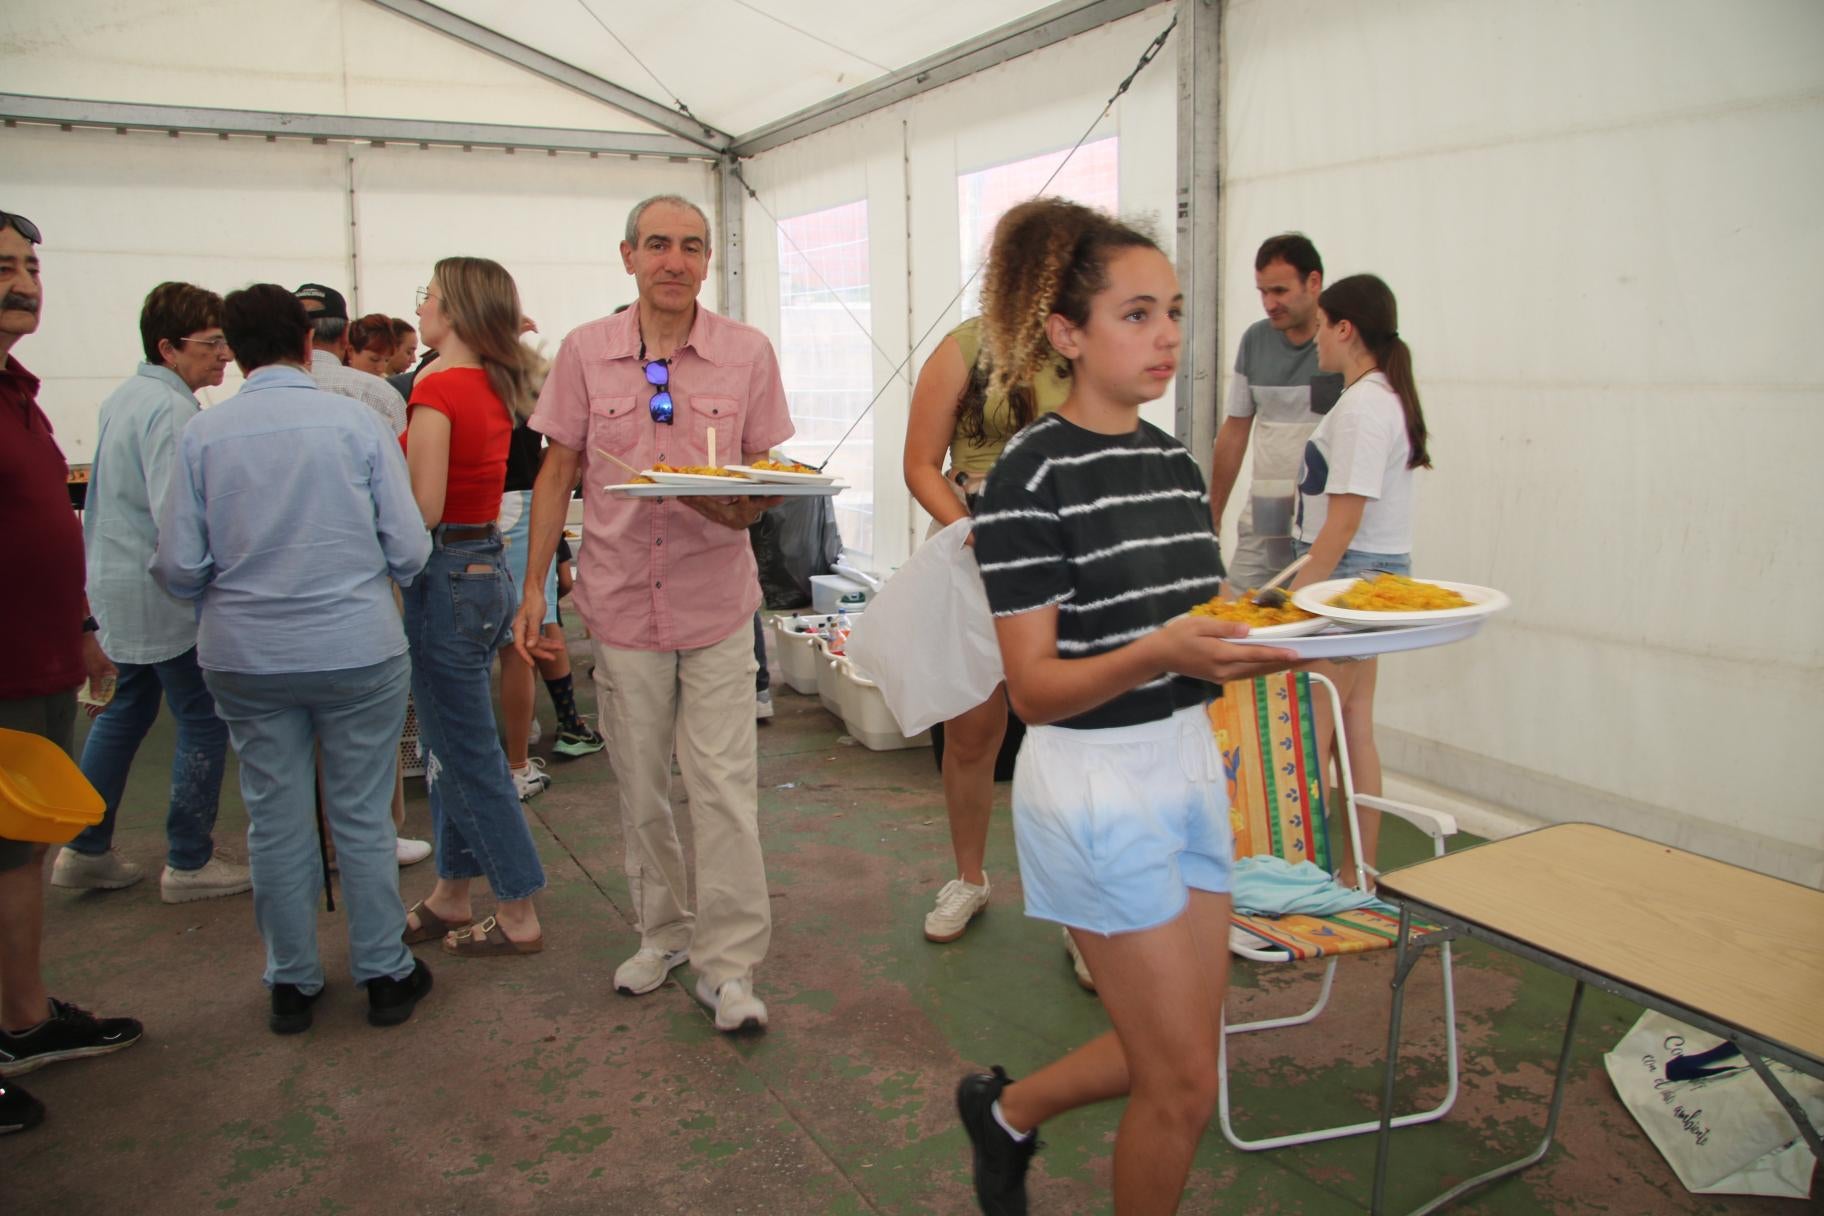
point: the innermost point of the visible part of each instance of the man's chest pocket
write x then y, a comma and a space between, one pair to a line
720, 415
613, 423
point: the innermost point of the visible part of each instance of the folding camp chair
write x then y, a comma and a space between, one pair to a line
1266, 733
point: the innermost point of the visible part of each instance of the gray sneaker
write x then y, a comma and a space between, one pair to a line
212, 880
107, 871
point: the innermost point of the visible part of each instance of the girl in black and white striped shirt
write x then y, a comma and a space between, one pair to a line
1094, 538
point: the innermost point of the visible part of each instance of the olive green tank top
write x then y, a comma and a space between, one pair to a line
970, 455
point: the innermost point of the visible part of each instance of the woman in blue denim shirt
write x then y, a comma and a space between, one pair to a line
460, 612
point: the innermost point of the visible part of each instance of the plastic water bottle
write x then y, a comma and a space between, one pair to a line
841, 639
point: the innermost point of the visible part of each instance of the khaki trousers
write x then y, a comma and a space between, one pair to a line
702, 703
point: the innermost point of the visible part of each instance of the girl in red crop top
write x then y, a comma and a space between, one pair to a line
459, 612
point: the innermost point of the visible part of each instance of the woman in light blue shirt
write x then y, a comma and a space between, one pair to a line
289, 511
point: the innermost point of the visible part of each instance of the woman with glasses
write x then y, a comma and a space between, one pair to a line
460, 612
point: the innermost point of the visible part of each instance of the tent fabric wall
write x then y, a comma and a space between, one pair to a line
1599, 221
124, 212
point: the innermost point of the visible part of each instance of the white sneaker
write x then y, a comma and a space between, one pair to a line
531, 780
107, 871
647, 969
957, 904
1077, 964
410, 852
212, 880
736, 1006
763, 705
536, 733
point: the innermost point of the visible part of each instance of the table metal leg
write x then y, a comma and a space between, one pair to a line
1405, 955
1551, 1120
1787, 1100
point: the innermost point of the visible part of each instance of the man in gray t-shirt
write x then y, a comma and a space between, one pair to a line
1277, 397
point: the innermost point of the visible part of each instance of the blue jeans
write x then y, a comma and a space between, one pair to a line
278, 722
1357, 562
458, 613
196, 765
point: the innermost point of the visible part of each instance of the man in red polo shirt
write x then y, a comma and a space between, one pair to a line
47, 647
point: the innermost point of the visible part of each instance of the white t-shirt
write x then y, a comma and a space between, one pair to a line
1360, 447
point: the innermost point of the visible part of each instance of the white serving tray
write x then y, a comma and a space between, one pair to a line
728, 489
1340, 643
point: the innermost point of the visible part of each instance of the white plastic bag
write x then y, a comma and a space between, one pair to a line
927, 637
1722, 1131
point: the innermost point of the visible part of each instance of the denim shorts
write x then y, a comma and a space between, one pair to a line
1116, 827
1356, 562
515, 524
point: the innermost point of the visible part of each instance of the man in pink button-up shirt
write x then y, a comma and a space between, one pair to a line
668, 588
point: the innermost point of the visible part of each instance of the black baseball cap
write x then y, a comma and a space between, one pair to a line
331, 301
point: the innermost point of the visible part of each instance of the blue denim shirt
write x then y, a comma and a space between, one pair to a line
134, 451
289, 508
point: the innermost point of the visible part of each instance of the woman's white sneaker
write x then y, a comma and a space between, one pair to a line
531, 780
957, 904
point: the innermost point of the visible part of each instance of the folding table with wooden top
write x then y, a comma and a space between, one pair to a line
1732, 952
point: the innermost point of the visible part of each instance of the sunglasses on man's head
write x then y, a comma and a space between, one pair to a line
25, 227
658, 374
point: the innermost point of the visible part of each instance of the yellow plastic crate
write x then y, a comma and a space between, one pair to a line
44, 798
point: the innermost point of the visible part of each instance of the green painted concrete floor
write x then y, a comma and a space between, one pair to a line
528, 1085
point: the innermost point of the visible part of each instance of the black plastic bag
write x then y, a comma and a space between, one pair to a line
808, 545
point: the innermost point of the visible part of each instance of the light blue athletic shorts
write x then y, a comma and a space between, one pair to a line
1115, 827
514, 523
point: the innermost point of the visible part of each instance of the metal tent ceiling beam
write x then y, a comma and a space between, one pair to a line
570, 76
1049, 25
64, 111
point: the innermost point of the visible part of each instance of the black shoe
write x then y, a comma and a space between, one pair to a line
68, 1034
390, 1001
1000, 1160
19, 1111
290, 1009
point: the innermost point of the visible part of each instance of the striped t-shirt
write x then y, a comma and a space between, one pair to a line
1114, 530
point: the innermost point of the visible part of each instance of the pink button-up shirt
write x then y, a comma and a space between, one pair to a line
652, 574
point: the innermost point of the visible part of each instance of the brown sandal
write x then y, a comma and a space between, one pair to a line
485, 939
431, 927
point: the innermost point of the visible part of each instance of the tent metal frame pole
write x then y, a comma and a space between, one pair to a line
626, 100
1199, 223
1049, 25
126, 116
730, 254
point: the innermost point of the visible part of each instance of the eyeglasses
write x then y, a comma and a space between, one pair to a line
26, 228
214, 344
422, 294
658, 374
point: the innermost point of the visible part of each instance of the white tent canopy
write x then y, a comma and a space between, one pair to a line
1597, 220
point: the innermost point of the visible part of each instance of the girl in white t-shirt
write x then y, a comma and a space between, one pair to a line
1354, 510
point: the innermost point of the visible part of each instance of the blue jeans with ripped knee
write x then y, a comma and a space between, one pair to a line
196, 764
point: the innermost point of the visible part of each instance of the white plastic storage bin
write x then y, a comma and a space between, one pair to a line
864, 711
829, 678
795, 642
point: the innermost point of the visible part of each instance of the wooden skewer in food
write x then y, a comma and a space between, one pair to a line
617, 460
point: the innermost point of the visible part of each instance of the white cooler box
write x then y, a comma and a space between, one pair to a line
797, 649
830, 592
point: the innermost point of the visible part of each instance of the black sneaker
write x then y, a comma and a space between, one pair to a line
583, 740
390, 1001
19, 1111
290, 1009
68, 1034
1000, 1160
